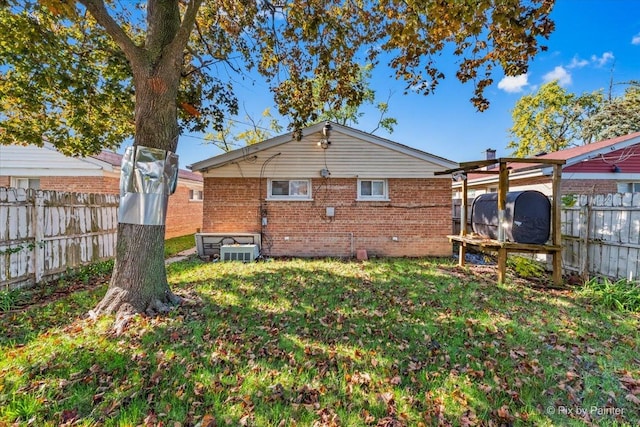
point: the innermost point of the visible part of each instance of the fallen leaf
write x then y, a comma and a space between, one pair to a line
571, 375
367, 417
386, 397
632, 398
503, 413
207, 421
395, 380
69, 416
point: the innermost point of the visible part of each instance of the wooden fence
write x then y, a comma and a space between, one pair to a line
457, 213
600, 234
43, 233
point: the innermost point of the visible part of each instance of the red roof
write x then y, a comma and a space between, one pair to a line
570, 153
574, 152
600, 162
115, 159
110, 157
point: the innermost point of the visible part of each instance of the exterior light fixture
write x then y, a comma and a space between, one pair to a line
326, 130
326, 133
459, 176
616, 169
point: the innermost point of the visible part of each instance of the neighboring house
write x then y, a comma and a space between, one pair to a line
609, 166
45, 168
330, 194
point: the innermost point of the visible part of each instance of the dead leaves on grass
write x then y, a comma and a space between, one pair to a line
323, 362
631, 385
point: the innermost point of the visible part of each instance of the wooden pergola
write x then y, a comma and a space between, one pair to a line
501, 246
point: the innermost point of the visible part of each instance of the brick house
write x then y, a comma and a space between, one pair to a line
608, 166
45, 168
334, 192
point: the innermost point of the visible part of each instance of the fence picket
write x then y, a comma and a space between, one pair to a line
42, 233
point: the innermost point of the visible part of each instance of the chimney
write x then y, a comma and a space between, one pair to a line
491, 155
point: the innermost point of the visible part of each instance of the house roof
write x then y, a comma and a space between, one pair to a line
571, 156
111, 157
252, 150
32, 160
115, 160
588, 151
45, 160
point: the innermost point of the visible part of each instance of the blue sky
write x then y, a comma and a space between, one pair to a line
594, 41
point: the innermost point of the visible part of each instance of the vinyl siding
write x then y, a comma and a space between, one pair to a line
627, 160
346, 157
29, 160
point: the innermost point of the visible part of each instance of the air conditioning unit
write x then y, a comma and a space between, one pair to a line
244, 253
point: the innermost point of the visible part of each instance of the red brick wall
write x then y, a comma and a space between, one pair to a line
588, 186
419, 215
183, 215
81, 184
5, 181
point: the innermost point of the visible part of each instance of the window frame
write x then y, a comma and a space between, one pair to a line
634, 186
16, 179
289, 197
376, 198
193, 193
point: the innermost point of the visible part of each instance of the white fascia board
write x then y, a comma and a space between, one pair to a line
92, 161
39, 172
107, 167
616, 176
240, 153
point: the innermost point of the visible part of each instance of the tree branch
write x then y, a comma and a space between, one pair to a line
177, 46
101, 15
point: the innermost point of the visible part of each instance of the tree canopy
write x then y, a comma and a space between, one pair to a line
616, 116
257, 130
550, 119
62, 81
67, 67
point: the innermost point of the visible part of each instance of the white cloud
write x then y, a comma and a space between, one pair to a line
513, 84
559, 73
578, 63
603, 60
636, 39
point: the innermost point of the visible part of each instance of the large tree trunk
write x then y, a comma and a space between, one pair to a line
139, 281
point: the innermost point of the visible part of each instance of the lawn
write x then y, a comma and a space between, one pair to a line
178, 244
385, 342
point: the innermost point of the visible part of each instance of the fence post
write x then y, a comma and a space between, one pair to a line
555, 224
39, 244
585, 225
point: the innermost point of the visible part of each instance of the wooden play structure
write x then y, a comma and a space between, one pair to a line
500, 245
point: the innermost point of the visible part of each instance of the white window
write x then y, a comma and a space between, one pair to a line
195, 195
629, 187
33, 183
373, 189
290, 189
